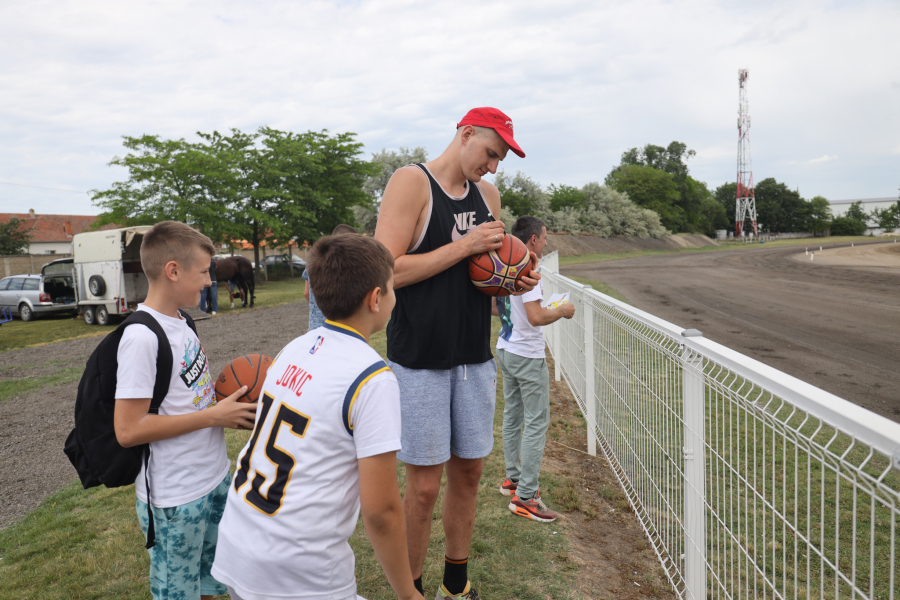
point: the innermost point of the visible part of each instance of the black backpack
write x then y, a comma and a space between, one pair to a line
92, 446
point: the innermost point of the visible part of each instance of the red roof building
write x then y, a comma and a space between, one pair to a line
51, 234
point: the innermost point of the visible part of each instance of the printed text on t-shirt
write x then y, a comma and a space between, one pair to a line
293, 379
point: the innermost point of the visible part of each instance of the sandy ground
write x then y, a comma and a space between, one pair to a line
833, 321
868, 256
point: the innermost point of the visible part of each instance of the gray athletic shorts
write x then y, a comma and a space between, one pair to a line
446, 410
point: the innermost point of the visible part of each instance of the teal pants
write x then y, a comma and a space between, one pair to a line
526, 417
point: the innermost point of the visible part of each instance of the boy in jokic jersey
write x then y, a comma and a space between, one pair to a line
324, 446
188, 466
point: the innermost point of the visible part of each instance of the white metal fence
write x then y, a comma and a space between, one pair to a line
748, 482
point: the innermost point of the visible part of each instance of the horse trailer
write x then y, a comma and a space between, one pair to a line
109, 279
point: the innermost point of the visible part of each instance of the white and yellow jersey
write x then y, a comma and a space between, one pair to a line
328, 401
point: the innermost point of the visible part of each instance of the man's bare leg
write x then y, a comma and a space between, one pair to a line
460, 499
422, 487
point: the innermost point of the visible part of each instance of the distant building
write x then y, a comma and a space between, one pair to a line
51, 234
839, 208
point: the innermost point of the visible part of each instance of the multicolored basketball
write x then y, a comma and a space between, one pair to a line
497, 272
247, 370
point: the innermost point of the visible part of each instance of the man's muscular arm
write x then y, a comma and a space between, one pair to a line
402, 205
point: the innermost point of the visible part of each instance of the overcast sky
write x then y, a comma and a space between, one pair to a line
583, 81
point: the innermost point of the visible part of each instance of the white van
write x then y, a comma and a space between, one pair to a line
109, 279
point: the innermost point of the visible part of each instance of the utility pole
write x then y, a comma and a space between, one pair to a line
745, 204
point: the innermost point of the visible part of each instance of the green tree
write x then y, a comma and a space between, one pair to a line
339, 180
520, 195
671, 159
693, 208
651, 188
565, 196
13, 239
167, 180
384, 164
270, 185
819, 219
780, 209
857, 213
726, 196
847, 226
888, 219
389, 161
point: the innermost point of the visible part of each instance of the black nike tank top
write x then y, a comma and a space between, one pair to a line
443, 321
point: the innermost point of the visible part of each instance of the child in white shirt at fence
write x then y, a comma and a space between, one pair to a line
526, 383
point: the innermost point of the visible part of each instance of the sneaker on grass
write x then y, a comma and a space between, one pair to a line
508, 487
466, 594
533, 508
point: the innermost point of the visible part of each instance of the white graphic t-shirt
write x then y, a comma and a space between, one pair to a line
187, 467
517, 335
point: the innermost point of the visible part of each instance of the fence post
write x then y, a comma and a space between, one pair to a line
590, 401
694, 395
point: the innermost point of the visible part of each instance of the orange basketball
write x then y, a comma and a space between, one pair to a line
497, 273
247, 370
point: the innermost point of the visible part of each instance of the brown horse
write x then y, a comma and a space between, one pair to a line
238, 270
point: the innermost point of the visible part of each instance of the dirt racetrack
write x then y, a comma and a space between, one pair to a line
833, 321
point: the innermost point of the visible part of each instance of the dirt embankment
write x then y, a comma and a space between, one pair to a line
571, 245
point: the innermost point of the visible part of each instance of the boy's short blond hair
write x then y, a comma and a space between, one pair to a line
171, 241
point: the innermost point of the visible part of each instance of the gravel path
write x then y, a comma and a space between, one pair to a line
36, 424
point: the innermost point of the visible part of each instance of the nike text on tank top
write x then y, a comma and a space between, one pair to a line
328, 401
443, 321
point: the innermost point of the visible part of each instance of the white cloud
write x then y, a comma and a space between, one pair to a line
582, 80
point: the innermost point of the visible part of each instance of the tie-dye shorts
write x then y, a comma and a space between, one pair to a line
185, 546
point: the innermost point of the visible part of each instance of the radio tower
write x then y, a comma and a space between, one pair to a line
745, 205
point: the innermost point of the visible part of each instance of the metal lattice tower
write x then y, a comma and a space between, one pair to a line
745, 205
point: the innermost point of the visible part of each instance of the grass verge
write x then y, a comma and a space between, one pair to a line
46, 330
86, 544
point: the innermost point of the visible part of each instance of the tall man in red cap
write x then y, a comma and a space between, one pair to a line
433, 216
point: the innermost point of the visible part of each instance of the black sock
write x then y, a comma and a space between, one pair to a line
418, 584
456, 574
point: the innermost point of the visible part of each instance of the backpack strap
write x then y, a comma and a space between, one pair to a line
164, 361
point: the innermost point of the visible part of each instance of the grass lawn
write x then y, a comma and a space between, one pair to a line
81, 545
585, 258
46, 330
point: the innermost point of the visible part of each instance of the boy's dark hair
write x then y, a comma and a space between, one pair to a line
343, 269
527, 226
170, 240
342, 228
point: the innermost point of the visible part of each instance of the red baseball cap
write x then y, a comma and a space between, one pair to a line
496, 120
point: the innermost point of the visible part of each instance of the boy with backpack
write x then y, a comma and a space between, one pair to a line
324, 446
185, 476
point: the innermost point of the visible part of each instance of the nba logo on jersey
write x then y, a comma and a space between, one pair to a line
317, 345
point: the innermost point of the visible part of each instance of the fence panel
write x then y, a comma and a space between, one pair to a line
748, 482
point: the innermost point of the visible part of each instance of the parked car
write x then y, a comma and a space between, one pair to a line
282, 261
51, 292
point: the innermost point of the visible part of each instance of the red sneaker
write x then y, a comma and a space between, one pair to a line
508, 487
533, 508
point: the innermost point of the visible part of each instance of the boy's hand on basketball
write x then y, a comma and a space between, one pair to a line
231, 414
530, 281
484, 238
